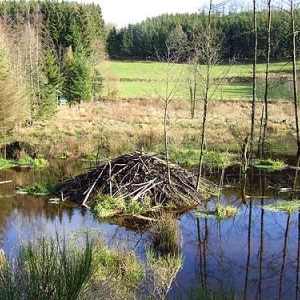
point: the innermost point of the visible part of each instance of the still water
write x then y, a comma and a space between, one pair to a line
256, 253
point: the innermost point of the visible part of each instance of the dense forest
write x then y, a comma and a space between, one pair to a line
48, 50
233, 31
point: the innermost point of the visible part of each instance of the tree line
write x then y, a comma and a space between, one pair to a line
49, 49
233, 32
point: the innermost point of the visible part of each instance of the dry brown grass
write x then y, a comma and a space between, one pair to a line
115, 127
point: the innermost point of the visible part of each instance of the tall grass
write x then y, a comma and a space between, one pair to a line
47, 269
162, 270
164, 236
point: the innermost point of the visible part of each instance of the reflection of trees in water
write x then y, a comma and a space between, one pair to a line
258, 251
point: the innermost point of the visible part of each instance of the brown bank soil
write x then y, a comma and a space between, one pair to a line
112, 128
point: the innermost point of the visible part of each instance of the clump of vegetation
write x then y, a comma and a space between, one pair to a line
213, 159
288, 207
185, 157
37, 189
269, 164
218, 159
220, 212
107, 206
6, 164
33, 162
225, 212
164, 236
119, 273
47, 269
162, 270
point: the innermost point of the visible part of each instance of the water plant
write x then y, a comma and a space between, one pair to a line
225, 211
117, 272
269, 164
37, 189
161, 271
164, 235
47, 269
220, 212
284, 206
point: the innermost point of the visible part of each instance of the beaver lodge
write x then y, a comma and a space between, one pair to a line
136, 177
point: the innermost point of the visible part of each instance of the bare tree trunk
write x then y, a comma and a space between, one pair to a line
295, 91
206, 95
166, 136
265, 124
253, 77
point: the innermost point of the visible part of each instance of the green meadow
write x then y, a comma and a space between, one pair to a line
131, 79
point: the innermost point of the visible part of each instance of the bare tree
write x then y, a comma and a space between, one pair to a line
294, 58
264, 126
206, 57
172, 82
254, 86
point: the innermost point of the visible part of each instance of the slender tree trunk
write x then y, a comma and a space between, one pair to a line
295, 91
206, 95
264, 134
253, 77
166, 139
202, 144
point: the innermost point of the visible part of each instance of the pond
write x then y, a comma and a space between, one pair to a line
256, 253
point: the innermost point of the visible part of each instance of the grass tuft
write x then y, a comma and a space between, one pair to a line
164, 236
220, 212
47, 269
269, 164
107, 206
162, 270
37, 189
288, 207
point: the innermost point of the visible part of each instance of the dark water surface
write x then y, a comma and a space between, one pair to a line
256, 252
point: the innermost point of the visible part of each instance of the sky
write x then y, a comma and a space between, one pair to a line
123, 12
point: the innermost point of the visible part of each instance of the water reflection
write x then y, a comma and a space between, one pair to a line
257, 252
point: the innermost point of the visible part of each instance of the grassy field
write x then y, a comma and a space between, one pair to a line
130, 117
131, 80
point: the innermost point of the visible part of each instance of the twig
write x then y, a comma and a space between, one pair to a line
92, 187
6, 181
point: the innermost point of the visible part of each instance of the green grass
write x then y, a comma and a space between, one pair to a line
285, 206
141, 79
164, 235
220, 212
106, 206
33, 162
190, 157
269, 164
37, 189
47, 269
6, 164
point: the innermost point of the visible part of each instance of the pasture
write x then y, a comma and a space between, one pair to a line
153, 80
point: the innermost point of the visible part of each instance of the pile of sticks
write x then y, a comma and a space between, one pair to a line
138, 176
